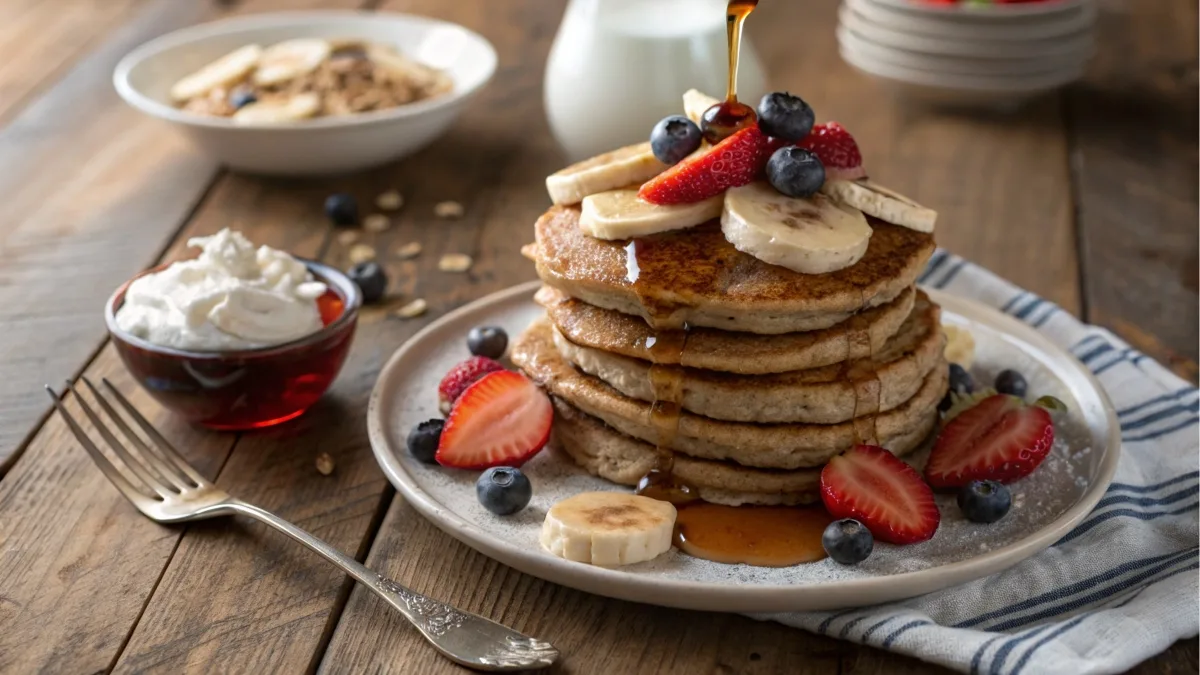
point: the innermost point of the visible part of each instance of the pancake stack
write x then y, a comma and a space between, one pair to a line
679, 353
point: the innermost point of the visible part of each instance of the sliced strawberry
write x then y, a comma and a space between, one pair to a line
879, 490
462, 376
735, 161
1000, 438
836, 149
501, 420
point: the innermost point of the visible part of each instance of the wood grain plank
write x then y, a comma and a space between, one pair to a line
1134, 140
999, 183
94, 192
77, 562
41, 39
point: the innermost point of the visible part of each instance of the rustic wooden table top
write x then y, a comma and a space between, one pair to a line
1088, 197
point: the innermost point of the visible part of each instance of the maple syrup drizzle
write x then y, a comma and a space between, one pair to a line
666, 348
729, 116
769, 536
765, 536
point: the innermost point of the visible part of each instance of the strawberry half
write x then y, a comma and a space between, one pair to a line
462, 376
836, 149
1000, 438
501, 420
876, 488
735, 161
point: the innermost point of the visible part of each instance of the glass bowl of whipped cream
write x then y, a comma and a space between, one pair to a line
240, 337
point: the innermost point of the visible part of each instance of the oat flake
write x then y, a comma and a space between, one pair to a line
347, 237
410, 250
390, 200
377, 222
324, 464
361, 253
413, 309
455, 262
448, 209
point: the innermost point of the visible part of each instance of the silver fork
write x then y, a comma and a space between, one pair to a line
165, 488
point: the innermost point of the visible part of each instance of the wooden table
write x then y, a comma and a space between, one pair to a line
1087, 197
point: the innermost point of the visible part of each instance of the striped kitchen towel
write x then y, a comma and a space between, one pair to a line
1119, 588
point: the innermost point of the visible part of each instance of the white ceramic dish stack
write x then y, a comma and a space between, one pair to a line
997, 55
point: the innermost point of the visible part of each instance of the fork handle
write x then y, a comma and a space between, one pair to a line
430, 616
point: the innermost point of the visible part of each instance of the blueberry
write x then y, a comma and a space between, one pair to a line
489, 341
503, 490
795, 172
371, 280
341, 209
960, 380
423, 440
785, 116
984, 501
674, 138
240, 98
1012, 383
945, 403
847, 541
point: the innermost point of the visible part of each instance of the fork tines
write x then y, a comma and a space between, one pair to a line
153, 471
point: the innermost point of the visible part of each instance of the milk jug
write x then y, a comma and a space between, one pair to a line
619, 66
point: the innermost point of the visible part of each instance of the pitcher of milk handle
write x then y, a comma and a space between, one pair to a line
619, 66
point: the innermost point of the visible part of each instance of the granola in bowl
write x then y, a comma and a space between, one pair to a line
307, 77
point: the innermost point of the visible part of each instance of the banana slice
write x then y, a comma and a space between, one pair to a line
290, 59
695, 102
608, 528
960, 345
632, 164
812, 236
884, 204
621, 214
298, 107
225, 71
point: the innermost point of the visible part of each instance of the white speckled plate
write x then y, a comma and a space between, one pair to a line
1046, 505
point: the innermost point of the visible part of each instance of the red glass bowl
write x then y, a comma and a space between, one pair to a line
251, 388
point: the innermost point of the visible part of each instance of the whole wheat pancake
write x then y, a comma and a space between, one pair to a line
713, 349
609, 454
825, 395
777, 446
696, 277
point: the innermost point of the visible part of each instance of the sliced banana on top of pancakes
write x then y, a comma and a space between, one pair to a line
812, 235
887, 205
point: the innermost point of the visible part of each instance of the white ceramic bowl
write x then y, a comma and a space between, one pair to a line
969, 10
322, 145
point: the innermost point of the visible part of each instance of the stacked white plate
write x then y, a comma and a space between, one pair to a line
967, 52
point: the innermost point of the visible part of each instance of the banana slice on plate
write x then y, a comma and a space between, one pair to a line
621, 214
608, 528
813, 235
884, 204
632, 164
290, 59
695, 102
225, 71
298, 107
960, 345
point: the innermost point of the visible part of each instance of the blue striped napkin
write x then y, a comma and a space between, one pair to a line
1119, 588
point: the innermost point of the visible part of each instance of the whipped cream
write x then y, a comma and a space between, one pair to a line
231, 297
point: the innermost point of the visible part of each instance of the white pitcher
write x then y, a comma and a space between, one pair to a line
619, 66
